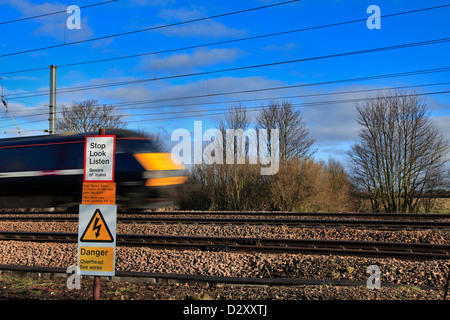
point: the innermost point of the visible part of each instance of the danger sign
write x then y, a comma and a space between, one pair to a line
97, 239
99, 193
97, 230
92, 259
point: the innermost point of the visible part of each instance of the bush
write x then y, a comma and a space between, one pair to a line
300, 185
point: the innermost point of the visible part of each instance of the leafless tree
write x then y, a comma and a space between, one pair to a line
301, 184
295, 139
87, 116
237, 118
400, 154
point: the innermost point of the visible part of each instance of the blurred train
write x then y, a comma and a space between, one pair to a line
47, 171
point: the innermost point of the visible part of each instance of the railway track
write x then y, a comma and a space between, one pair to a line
171, 278
413, 251
362, 215
379, 224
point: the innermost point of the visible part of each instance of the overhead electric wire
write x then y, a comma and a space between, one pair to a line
134, 103
383, 76
224, 110
121, 83
104, 85
392, 75
304, 104
125, 104
151, 28
56, 12
260, 108
221, 42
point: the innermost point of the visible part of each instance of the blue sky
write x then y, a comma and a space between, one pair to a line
332, 124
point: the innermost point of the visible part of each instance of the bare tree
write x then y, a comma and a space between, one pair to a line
86, 116
237, 118
295, 139
400, 154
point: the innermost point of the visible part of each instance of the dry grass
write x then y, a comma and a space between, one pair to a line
442, 206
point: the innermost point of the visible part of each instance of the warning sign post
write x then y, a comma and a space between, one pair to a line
98, 211
97, 240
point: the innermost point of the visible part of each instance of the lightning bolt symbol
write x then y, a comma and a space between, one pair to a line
96, 227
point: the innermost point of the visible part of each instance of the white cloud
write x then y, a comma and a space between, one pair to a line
284, 48
165, 95
25, 117
443, 123
205, 28
181, 14
184, 62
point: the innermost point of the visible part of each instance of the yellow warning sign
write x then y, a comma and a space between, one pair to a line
96, 259
97, 230
99, 193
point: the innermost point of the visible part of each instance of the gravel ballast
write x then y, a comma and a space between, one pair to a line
410, 236
410, 274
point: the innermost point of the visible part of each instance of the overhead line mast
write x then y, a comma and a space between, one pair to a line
52, 106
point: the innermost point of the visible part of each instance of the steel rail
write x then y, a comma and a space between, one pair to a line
421, 216
415, 251
136, 276
171, 278
356, 223
364, 215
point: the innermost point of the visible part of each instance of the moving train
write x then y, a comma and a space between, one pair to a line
47, 171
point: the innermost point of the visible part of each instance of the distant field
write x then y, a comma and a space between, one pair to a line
442, 206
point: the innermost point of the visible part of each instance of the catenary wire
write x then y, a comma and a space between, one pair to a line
383, 76
56, 12
206, 111
221, 42
134, 104
302, 105
130, 82
150, 29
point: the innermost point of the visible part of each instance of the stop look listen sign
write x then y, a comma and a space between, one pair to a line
99, 158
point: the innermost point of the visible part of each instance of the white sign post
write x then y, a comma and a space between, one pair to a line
97, 220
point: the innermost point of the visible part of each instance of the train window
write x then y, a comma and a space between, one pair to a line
29, 158
120, 146
41, 157
12, 160
73, 155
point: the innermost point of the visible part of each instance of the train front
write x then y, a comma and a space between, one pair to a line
145, 176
